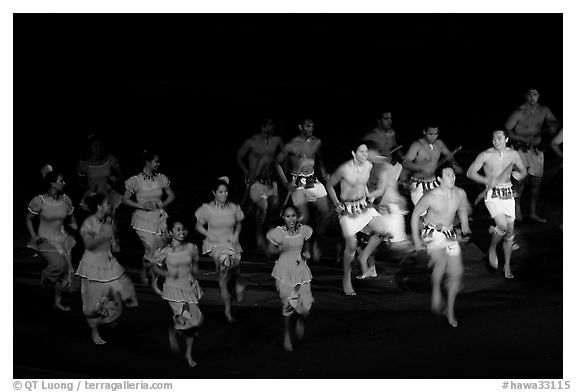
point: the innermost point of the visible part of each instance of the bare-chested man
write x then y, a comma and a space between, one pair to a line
305, 164
525, 126
382, 140
498, 163
440, 206
355, 212
261, 150
422, 158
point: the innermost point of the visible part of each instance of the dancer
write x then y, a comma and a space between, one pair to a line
525, 126
291, 272
356, 213
98, 172
105, 285
440, 206
382, 140
178, 262
261, 150
498, 162
51, 240
149, 218
422, 158
392, 205
220, 223
304, 153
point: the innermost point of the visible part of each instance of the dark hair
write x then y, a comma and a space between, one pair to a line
92, 138
287, 206
503, 130
430, 125
94, 201
50, 178
440, 169
172, 220
148, 155
216, 184
265, 120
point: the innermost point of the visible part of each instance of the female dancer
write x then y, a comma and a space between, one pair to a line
105, 286
98, 172
149, 218
178, 262
291, 272
52, 208
220, 223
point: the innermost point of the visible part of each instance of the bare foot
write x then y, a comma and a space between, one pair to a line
347, 285
493, 258
229, 317
59, 306
97, 339
508, 273
451, 318
370, 273
191, 362
535, 217
299, 329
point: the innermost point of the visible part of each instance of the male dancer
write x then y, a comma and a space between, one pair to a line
382, 140
355, 212
304, 153
498, 162
422, 158
525, 126
261, 150
440, 206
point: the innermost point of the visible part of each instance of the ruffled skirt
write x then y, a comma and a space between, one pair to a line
102, 302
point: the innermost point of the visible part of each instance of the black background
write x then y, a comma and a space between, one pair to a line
195, 86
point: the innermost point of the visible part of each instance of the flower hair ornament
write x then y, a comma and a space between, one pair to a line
46, 169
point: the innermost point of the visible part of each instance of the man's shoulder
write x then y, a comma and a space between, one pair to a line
346, 166
296, 140
487, 153
511, 152
416, 143
461, 192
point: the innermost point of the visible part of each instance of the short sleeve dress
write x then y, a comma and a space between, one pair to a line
181, 289
149, 225
54, 241
221, 221
291, 272
104, 281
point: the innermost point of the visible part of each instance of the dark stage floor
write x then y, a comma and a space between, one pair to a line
508, 328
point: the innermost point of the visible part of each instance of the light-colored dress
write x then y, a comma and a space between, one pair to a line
98, 177
105, 286
291, 272
149, 225
221, 221
53, 240
181, 288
